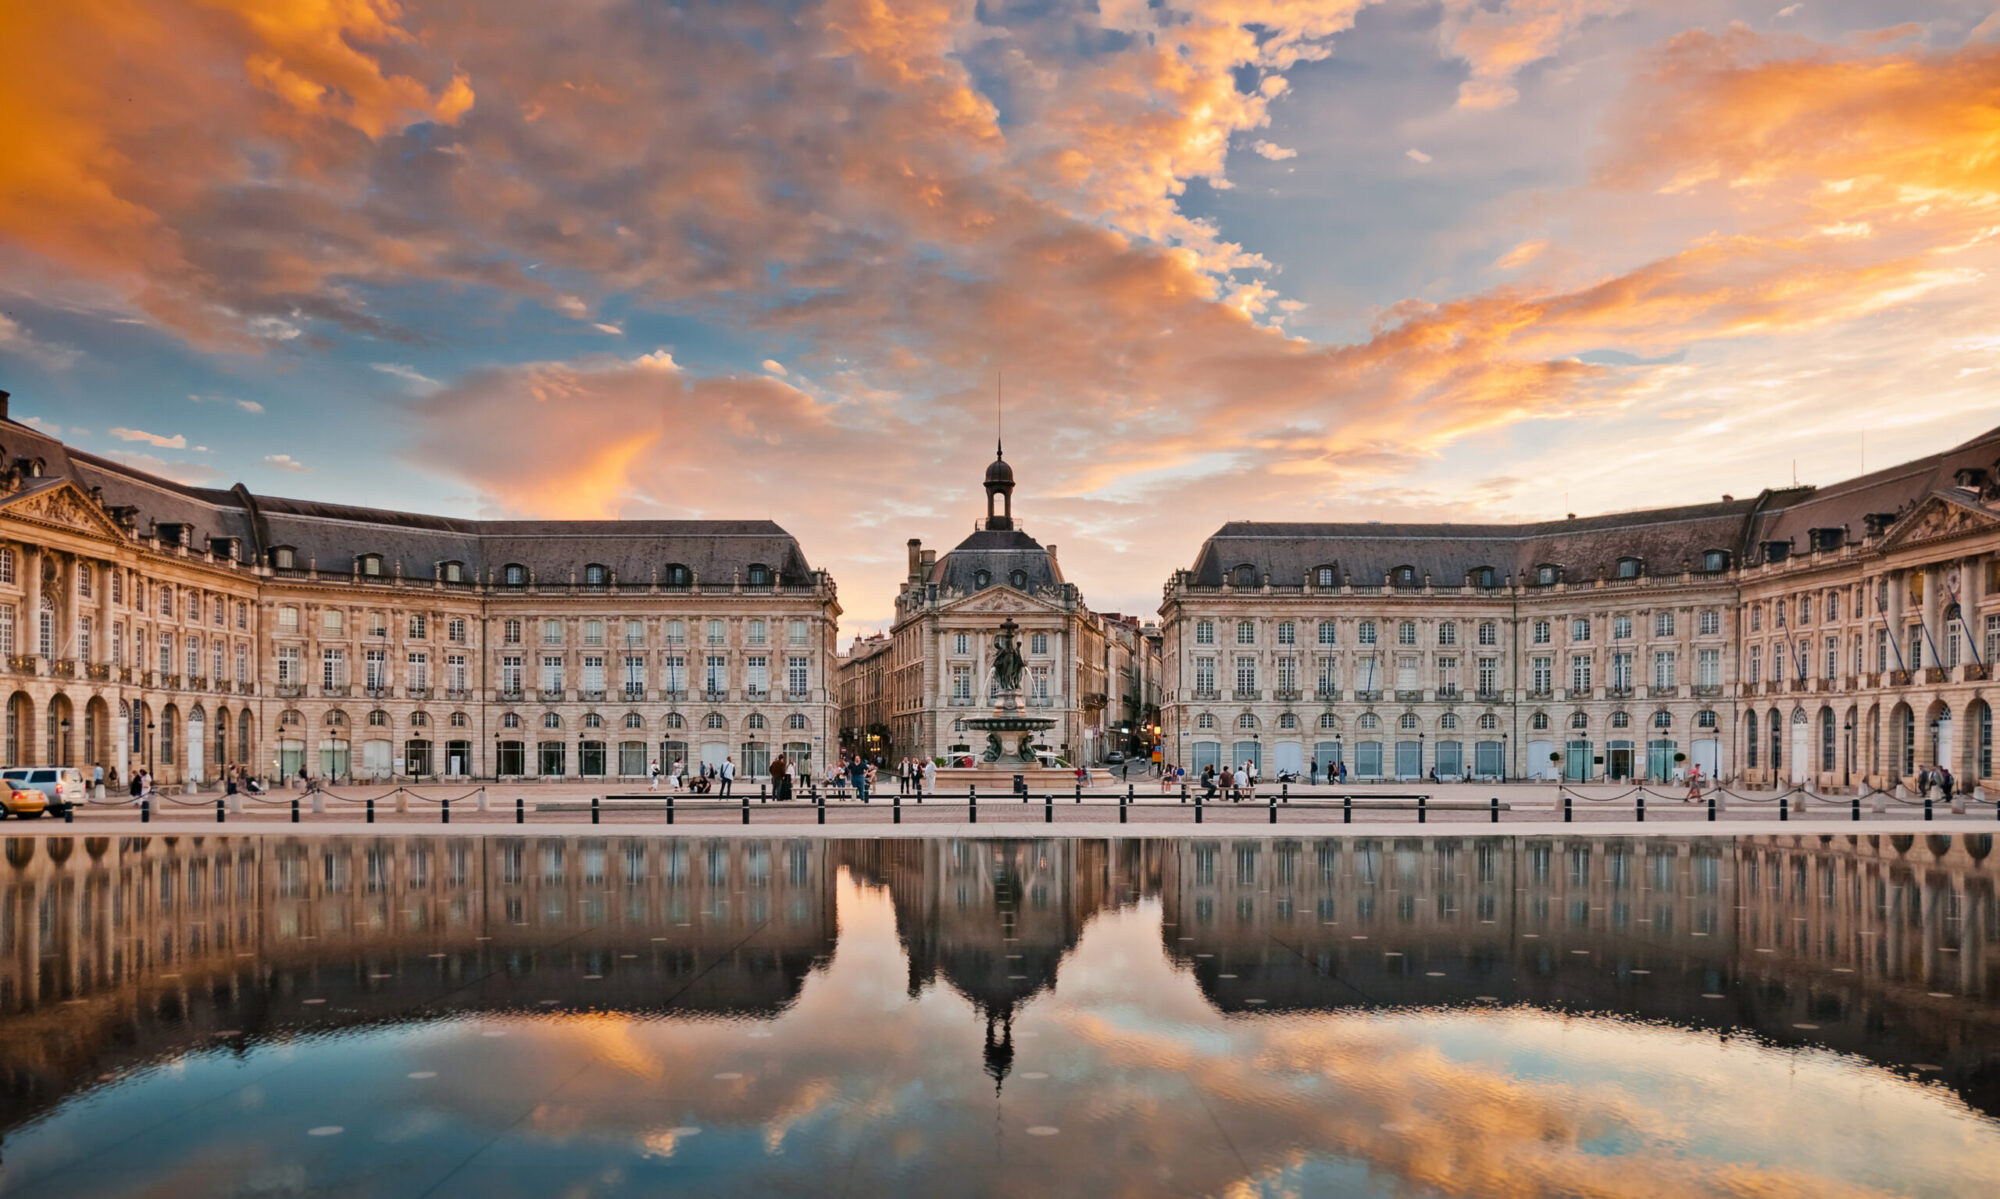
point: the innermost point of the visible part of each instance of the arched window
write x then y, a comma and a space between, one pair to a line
756, 721
335, 719
420, 719
551, 721
1547, 574
1407, 721
1448, 721
676, 575
796, 721
675, 721
759, 575
1246, 575
1205, 721
712, 721
371, 566
1019, 579
1489, 721
1323, 576
1539, 721
1369, 721
460, 720
1484, 577
1630, 568
378, 719
1620, 720
981, 578
1750, 740
1288, 721
592, 720
1404, 576
1579, 720
511, 720
1328, 720
1246, 721
634, 721
1663, 719
1705, 719
1713, 561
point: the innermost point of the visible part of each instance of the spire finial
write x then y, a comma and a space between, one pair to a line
999, 412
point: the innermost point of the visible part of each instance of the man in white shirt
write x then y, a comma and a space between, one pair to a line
728, 774
653, 769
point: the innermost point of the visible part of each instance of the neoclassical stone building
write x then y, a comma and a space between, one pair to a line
1828, 635
947, 614
144, 622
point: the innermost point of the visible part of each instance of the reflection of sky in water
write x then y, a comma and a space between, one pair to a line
1125, 1080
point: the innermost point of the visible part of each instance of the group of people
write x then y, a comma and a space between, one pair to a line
1240, 783
1939, 777
718, 777
916, 776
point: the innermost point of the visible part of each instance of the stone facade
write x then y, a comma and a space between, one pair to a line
1626, 646
144, 622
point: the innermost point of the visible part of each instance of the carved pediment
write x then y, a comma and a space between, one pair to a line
63, 505
999, 598
1940, 517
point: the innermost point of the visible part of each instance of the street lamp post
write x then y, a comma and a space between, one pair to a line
1847, 763
1504, 758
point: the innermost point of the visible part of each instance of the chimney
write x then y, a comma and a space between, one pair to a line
3, 403
1052, 550
916, 556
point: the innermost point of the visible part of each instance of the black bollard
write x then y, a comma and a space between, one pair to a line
819, 801
1927, 805
762, 793
1857, 809
1642, 807
521, 810
371, 811
69, 813
593, 809
746, 807
1123, 803
1711, 807
897, 809
1048, 809
1784, 808
218, 811
670, 809
444, 815
1421, 814
972, 805
1496, 809
1079, 791
1197, 807
1568, 815
1347, 809
146, 811
1183, 792
1274, 809
295, 811
1285, 791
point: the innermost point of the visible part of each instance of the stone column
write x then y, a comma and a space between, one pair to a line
101, 651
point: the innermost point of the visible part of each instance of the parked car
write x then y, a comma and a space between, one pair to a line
60, 786
23, 802
1114, 758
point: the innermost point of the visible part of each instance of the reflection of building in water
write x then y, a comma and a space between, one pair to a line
1882, 946
127, 949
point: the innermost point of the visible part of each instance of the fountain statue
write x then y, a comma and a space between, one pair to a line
1007, 716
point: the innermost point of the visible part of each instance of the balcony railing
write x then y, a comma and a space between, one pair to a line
1209, 694
1368, 697
290, 690
23, 663
715, 696
1935, 674
63, 668
1327, 695
1287, 695
1619, 691
1487, 697
417, 692
758, 695
1708, 688
959, 701
335, 691
457, 694
1246, 696
100, 671
1977, 672
798, 697
1541, 693
1410, 696
635, 693
375, 691
172, 682
551, 695
246, 688
591, 694
1899, 678
514, 696
1448, 691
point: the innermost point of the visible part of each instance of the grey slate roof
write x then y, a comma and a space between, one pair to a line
334, 536
999, 552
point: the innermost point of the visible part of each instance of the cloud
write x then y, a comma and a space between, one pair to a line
1273, 152
1497, 41
48, 427
250, 406
1789, 10
196, 474
286, 462
176, 442
1416, 155
1522, 254
775, 367
417, 380
16, 339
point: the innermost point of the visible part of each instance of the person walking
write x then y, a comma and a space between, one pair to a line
653, 770
781, 781
857, 777
929, 786
728, 772
674, 775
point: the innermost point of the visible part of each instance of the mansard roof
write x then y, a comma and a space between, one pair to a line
335, 536
998, 552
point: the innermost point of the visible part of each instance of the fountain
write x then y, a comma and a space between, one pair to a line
1008, 720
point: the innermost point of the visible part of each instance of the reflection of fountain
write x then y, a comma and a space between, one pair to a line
1007, 719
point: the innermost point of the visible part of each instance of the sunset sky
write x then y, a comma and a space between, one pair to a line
1239, 259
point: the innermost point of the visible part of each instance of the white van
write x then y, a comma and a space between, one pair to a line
63, 785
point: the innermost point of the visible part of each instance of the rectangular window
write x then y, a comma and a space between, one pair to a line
1542, 671
1953, 634
552, 632
1882, 650
510, 674
419, 626
758, 670
220, 611
593, 632
454, 672
1805, 609
1579, 630
1489, 675
419, 676
717, 676
1329, 676
1246, 632
288, 619
961, 643
1038, 643
795, 633
1832, 657
717, 633
1448, 633
1621, 628
1543, 632
635, 632
1579, 672
288, 665
455, 630
332, 622
1038, 682
333, 668
117, 636
1663, 624
961, 683
117, 586
593, 673
1288, 633
1406, 673
1288, 674
1204, 632
1489, 632
1448, 675
1621, 670
1406, 633
1709, 622
1756, 665
1329, 633
375, 667
242, 663
193, 658
1708, 668
1664, 668
216, 661
673, 672
510, 632
1366, 634
757, 632
1993, 638
166, 650
552, 673
1204, 675
795, 675
1916, 658
1246, 674
1756, 618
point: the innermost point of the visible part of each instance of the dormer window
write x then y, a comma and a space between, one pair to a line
595, 575
1777, 551
1323, 576
759, 575
676, 575
1630, 568
514, 575
1246, 575
981, 579
1019, 579
1547, 575
1404, 576
1714, 561
454, 572
1482, 577
283, 557
371, 566
1827, 541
